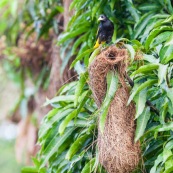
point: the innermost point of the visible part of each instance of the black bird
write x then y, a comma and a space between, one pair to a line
105, 31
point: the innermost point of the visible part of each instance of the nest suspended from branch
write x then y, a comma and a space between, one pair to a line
117, 151
32, 54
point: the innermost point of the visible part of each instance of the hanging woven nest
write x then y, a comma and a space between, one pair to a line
117, 151
32, 54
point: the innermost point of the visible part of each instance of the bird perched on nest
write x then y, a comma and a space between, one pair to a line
105, 31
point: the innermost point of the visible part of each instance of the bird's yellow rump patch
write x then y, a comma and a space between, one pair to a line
97, 44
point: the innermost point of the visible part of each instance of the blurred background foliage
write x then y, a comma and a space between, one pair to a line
29, 34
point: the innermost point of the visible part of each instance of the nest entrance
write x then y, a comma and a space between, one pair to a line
117, 151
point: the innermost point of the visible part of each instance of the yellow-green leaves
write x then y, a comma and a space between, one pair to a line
140, 88
112, 86
145, 69
142, 123
80, 85
89, 167
93, 55
154, 33
76, 145
140, 101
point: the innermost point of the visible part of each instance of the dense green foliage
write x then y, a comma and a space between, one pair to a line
68, 132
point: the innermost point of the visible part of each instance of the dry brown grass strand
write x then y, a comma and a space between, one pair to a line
117, 151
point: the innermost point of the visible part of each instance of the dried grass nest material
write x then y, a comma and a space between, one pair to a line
117, 151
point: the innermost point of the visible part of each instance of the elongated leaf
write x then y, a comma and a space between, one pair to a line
93, 55
54, 145
170, 169
55, 118
69, 35
82, 100
79, 57
164, 111
169, 145
68, 98
161, 38
103, 116
142, 123
76, 146
133, 11
65, 122
131, 51
142, 24
154, 33
140, 88
166, 154
89, 167
169, 92
151, 59
166, 127
162, 71
140, 101
77, 43
112, 86
166, 54
145, 68
29, 170
156, 163
149, 7
79, 87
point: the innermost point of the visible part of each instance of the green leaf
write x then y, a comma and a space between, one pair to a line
112, 86
133, 11
162, 71
80, 56
166, 155
131, 51
164, 110
169, 92
140, 88
149, 7
140, 101
80, 85
89, 167
142, 123
161, 38
154, 33
151, 59
156, 163
30, 169
76, 146
169, 145
48, 124
54, 145
165, 127
142, 24
82, 100
65, 122
102, 120
93, 55
166, 54
145, 68
77, 43
67, 98
69, 35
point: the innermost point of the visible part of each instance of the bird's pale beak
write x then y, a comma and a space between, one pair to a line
99, 19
